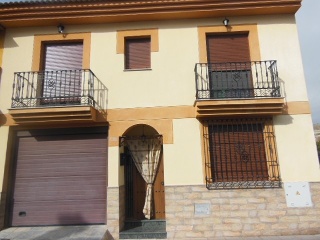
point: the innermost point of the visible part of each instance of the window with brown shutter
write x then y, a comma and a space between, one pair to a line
241, 153
228, 48
62, 75
138, 53
229, 66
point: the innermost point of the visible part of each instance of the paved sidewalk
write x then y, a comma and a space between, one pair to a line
294, 237
98, 232
92, 232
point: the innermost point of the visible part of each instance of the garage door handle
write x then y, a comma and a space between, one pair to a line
22, 214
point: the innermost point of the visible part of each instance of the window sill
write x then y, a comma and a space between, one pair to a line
137, 69
244, 185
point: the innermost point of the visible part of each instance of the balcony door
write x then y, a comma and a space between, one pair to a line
62, 73
229, 66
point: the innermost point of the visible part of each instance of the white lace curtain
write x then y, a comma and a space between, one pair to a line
146, 155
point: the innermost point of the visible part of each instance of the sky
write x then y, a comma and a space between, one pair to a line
308, 18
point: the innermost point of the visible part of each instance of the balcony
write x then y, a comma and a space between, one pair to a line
57, 96
238, 88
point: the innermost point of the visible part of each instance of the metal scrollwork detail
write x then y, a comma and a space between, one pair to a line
51, 83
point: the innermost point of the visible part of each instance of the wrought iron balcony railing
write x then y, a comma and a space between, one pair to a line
237, 80
58, 88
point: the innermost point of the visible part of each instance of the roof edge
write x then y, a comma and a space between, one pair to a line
48, 12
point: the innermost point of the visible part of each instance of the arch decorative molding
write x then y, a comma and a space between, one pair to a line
164, 127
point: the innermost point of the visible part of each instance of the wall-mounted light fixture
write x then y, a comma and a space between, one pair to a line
60, 28
226, 22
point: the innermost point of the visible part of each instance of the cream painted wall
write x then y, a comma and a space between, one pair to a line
296, 147
169, 83
4, 133
279, 41
115, 172
183, 159
17, 56
171, 80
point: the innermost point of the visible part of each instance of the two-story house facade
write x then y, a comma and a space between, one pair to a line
193, 115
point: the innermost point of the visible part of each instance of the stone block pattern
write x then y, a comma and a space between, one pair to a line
114, 212
238, 213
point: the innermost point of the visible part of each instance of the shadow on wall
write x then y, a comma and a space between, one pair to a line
282, 87
108, 236
287, 120
3, 118
65, 232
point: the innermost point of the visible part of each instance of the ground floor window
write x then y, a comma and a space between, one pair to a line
240, 153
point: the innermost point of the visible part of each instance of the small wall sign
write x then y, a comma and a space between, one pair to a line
298, 194
202, 209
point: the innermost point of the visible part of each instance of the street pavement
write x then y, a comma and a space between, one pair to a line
98, 232
92, 232
295, 237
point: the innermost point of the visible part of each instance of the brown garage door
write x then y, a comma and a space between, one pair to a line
60, 179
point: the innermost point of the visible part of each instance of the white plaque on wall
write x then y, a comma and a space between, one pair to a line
201, 208
298, 194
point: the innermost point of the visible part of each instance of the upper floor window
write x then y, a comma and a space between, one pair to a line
62, 72
229, 66
228, 48
137, 46
138, 53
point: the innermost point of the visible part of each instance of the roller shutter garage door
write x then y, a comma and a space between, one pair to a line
60, 177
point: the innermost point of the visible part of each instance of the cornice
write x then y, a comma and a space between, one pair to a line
79, 12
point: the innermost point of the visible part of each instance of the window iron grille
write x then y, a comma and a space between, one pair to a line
240, 153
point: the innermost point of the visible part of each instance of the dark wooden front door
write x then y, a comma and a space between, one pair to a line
136, 192
158, 193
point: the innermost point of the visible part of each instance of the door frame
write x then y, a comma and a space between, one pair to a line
130, 185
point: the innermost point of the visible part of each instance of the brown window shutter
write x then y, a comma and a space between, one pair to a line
228, 48
63, 56
58, 84
137, 53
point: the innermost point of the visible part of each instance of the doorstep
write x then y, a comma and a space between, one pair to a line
144, 229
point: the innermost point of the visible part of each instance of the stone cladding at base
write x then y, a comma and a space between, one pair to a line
238, 213
115, 211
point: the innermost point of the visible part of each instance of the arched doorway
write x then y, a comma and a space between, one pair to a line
143, 141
